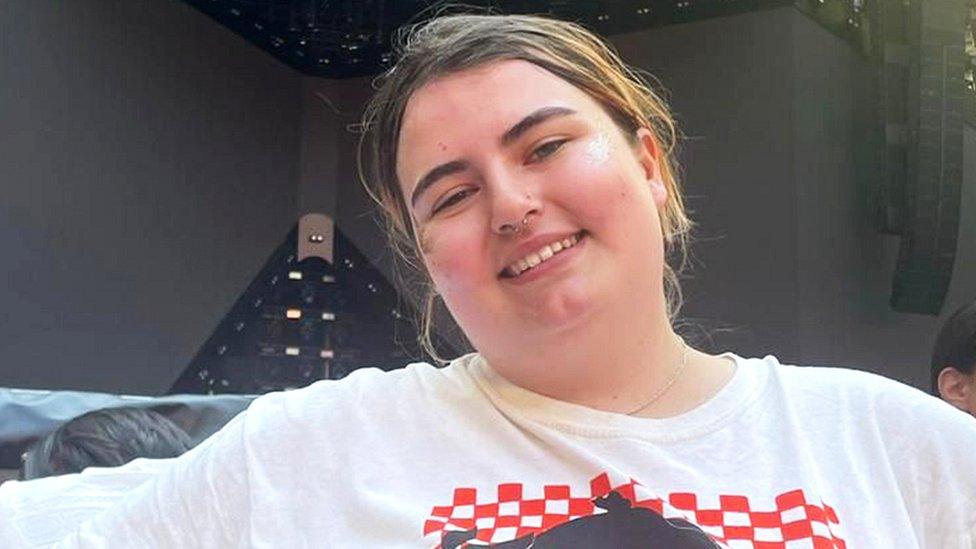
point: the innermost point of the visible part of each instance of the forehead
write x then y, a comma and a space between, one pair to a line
478, 105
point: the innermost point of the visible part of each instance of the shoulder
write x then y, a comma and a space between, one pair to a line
860, 393
923, 436
364, 394
861, 405
925, 443
868, 393
334, 423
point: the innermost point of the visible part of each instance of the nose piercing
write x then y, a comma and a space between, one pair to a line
517, 228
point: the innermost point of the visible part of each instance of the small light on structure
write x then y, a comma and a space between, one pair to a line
327, 353
235, 12
316, 238
295, 275
324, 61
328, 316
292, 351
259, 26
328, 278
293, 313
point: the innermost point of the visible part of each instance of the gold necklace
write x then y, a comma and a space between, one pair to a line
674, 377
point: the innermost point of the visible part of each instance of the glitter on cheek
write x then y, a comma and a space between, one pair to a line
598, 149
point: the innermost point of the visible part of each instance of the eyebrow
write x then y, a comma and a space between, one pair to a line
449, 168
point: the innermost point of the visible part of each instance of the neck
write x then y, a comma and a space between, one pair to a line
611, 364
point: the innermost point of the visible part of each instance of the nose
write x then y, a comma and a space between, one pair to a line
513, 203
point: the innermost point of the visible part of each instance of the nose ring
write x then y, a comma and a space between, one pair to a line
516, 228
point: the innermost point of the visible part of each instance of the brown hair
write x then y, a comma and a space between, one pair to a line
452, 43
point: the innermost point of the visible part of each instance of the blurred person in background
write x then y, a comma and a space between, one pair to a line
85, 466
954, 359
104, 438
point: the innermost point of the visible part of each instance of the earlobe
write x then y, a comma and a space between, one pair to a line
954, 387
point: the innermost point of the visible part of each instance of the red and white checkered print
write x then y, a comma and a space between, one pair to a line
788, 521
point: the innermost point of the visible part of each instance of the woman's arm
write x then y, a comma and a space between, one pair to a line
38, 513
200, 500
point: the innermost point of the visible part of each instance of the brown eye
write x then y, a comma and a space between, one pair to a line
547, 149
453, 199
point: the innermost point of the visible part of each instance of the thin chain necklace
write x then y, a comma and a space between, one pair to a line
674, 377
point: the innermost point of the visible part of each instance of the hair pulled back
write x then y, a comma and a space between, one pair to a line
452, 43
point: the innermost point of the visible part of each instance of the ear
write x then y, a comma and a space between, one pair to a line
649, 155
955, 387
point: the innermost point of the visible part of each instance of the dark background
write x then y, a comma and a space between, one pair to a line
153, 159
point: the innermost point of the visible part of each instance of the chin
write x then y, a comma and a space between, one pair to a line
563, 309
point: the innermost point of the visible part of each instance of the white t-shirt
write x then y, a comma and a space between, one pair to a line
781, 457
39, 513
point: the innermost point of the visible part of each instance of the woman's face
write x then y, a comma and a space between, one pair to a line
482, 149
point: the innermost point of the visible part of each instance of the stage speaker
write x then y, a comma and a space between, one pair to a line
923, 98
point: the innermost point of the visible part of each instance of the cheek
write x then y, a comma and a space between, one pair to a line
459, 274
454, 258
451, 271
601, 187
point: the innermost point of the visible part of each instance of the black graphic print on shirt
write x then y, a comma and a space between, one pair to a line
622, 514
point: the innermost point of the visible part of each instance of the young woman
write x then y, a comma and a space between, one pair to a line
530, 175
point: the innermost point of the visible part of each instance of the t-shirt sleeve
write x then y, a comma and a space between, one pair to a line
200, 500
38, 513
934, 446
950, 487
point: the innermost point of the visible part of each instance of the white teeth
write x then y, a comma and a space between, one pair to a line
543, 254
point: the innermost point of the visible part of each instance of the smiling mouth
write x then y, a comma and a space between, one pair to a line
541, 255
